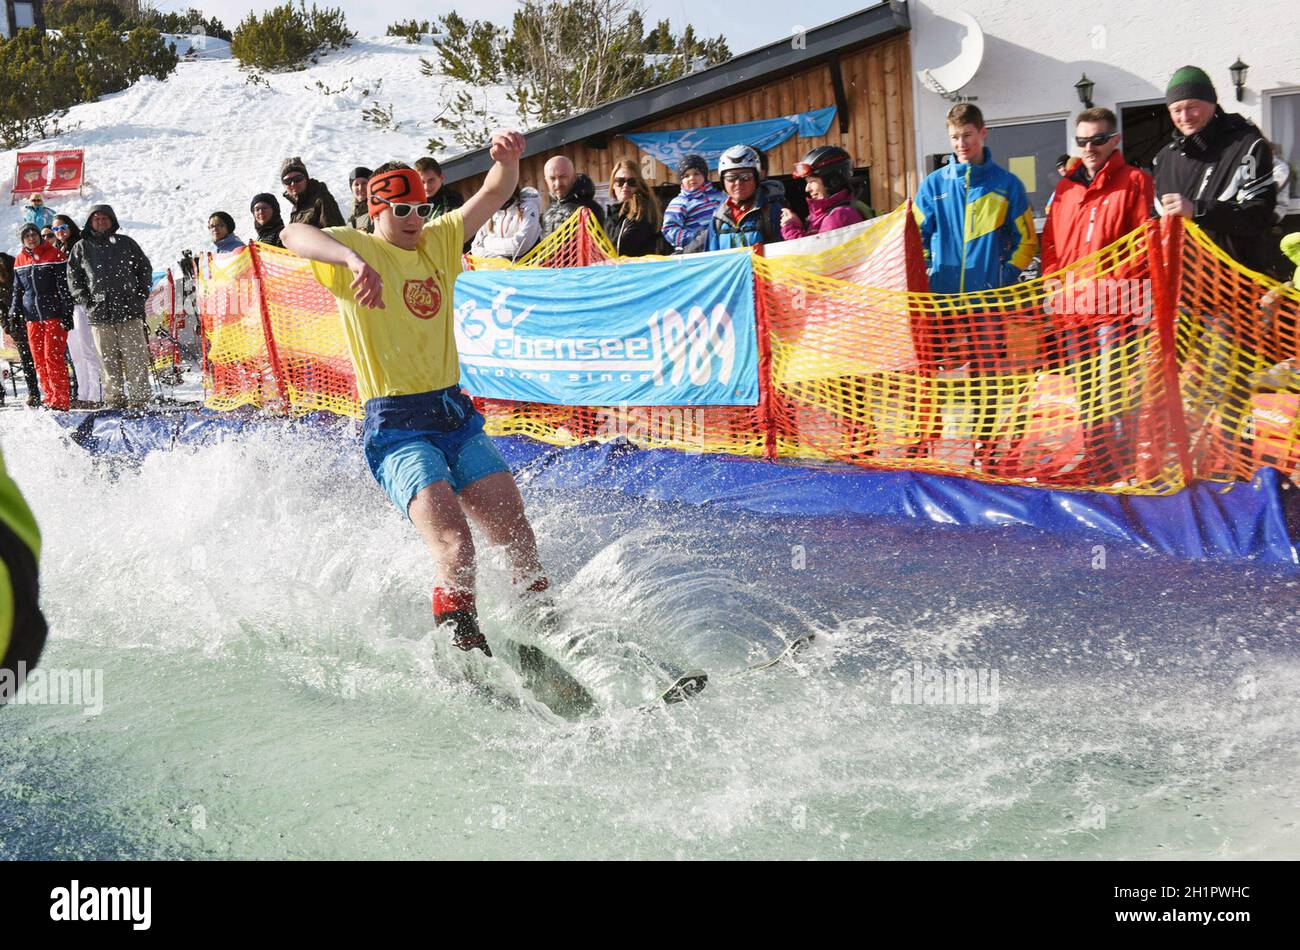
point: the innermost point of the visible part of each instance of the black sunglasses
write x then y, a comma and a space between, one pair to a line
402, 209
293, 179
1101, 138
625, 181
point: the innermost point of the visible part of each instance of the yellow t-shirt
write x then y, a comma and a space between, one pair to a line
408, 346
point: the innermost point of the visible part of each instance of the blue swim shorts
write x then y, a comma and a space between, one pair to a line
416, 440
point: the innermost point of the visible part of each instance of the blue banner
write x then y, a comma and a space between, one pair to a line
679, 332
713, 140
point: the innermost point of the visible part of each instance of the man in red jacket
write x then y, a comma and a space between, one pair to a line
1097, 202
1100, 200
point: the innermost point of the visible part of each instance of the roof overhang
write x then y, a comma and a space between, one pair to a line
761, 66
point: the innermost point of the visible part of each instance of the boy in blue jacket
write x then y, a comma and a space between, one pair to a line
977, 231
976, 224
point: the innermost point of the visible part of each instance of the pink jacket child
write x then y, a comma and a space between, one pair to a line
824, 214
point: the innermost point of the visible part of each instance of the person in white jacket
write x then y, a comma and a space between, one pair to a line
513, 231
81, 343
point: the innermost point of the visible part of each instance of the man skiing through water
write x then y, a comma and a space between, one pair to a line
424, 439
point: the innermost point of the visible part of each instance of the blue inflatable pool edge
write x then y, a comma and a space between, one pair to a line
1258, 521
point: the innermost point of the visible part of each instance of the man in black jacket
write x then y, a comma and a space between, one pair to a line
360, 217
443, 199
311, 201
569, 192
1217, 171
111, 278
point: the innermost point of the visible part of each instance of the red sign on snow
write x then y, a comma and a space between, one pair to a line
39, 173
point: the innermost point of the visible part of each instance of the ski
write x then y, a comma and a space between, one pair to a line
549, 682
791, 648
682, 688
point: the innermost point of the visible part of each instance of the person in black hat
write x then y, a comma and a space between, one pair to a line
266, 218
311, 201
359, 218
1216, 171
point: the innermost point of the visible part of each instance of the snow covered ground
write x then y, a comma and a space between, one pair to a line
167, 154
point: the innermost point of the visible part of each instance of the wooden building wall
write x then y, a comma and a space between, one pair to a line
880, 134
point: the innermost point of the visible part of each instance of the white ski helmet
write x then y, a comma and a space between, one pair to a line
739, 156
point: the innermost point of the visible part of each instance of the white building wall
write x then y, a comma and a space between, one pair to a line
1034, 54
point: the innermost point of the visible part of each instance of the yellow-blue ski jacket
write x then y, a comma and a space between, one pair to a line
976, 227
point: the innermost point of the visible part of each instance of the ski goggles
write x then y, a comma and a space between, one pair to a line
401, 209
802, 169
1100, 139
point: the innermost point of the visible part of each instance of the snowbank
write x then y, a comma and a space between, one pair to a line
167, 154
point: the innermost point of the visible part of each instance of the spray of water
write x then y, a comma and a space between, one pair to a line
274, 687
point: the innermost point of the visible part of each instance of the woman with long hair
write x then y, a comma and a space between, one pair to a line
634, 218
81, 343
512, 231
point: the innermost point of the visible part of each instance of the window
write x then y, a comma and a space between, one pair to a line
1284, 131
24, 15
1147, 129
1030, 150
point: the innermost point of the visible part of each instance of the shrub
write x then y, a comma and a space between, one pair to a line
191, 21
469, 123
289, 37
411, 29
42, 76
562, 56
471, 52
83, 14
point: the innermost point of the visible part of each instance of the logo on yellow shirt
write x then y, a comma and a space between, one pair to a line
423, 297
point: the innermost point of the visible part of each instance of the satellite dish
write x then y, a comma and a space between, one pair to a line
955, 48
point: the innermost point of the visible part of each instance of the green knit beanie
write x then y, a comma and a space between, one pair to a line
1190, 82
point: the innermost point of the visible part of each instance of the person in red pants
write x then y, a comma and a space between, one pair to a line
41, 297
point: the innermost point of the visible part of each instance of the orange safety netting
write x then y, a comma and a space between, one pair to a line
273, 335
1238, 352
1135, 370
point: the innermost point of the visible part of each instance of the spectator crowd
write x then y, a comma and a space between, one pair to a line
77, 295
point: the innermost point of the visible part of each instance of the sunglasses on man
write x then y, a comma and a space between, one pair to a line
1098, 140
293, 179
730, 177
401, 208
